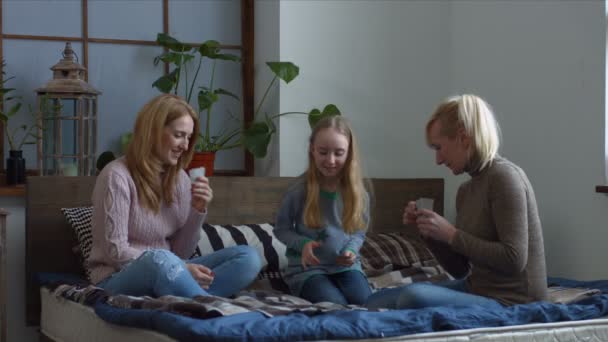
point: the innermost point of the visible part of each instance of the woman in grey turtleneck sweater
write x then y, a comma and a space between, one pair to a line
495, 248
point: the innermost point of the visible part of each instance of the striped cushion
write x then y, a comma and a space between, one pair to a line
259, 236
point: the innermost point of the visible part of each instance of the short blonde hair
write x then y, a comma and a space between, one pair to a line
473, 115
142, 159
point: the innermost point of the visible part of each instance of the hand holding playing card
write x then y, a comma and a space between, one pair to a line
202, 194
424, 203
196, 173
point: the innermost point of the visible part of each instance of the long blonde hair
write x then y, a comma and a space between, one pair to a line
351, 183
474, 115
142, 160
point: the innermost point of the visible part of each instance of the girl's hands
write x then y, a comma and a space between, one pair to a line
434, 226
202, 194
346, 259
202, 274
308, 256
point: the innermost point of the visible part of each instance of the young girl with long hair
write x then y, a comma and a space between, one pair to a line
323, 219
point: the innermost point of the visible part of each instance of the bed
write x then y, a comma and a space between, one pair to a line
50, 241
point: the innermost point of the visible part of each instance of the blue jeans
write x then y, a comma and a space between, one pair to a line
159, 272
421, 295
348, 287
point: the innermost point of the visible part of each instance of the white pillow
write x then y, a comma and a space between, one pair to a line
259, 236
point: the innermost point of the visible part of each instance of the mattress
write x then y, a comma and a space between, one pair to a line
68, 321
65, 320
593, 330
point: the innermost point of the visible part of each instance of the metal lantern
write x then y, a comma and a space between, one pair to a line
67, 120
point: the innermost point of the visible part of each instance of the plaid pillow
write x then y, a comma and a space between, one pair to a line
396, 259
80, 220
392, 251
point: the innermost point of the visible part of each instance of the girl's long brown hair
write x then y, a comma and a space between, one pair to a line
351, 184
152, 180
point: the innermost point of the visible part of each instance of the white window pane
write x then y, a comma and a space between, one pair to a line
124, 74
42, 17
195, 21
125, 19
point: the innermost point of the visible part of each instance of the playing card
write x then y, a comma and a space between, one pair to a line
424, 203
197, 172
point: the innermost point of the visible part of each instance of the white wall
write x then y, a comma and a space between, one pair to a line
539, 63
266, 28
15, 229
542, 66
383, 63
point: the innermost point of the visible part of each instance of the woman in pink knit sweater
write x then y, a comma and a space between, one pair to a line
147, 215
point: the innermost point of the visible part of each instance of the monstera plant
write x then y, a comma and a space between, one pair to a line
255, 136
186, 63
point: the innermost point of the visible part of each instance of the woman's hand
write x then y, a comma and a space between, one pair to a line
410, 213
434, 226
308, 255
202, 194
346, 259
203, 275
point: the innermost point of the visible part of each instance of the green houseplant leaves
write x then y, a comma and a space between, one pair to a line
254, 136
22, 134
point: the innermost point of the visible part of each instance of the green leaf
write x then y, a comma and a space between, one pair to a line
206, 99
209, 49
166, 82
286, 71
177, 58
171, 43
125, 140
6, 90
257, 137
316, 115
221, 91
228, 57
14, 109
3, 118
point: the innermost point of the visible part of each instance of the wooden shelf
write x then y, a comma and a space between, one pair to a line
12, 190
19, 190
602, 188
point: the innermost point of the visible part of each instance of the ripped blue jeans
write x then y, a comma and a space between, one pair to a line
160, 272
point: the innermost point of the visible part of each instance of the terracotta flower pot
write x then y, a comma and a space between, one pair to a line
206, 159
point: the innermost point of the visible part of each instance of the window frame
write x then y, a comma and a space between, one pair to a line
246, 48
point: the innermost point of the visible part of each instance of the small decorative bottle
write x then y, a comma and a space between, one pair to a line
15, 168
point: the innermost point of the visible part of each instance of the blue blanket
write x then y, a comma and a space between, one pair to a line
254, 326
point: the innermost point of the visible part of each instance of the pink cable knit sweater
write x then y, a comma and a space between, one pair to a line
123, 230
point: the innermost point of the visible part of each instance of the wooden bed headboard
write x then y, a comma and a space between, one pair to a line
237, 200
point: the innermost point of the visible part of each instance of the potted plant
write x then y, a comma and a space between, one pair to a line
17, 136
254, 136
